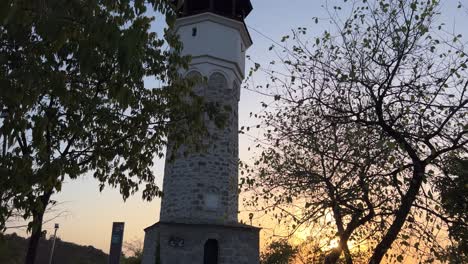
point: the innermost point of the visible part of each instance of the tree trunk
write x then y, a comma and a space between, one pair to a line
400, 217
332, 257
34, 241
36, 232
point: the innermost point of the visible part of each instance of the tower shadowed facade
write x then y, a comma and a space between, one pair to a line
198, 220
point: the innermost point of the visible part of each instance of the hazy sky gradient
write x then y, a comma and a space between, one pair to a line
90, 214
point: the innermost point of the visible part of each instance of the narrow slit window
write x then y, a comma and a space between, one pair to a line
194, 32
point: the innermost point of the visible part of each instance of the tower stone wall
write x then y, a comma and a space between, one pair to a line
198, 219
237, 244
202, 187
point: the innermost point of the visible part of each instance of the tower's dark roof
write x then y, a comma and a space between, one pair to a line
235, 9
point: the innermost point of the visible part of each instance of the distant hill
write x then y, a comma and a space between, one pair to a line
13, 251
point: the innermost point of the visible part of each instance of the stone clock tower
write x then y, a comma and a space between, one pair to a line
198, 220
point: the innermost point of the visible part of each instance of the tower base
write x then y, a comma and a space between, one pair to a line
175, 243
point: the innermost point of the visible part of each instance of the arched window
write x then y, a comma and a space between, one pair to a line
217, 81
217, 85
196, 77
193, 74
210, 255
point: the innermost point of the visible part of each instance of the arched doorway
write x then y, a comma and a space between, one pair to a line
210, 255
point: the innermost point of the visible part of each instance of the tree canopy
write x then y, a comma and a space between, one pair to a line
279, 252
362, 122
73, 98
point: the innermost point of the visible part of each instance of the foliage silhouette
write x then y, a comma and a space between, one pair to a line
73, 100
362, 121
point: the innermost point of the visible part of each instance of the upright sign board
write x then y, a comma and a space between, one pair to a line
116, 242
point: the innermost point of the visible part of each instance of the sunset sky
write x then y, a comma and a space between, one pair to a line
88, 214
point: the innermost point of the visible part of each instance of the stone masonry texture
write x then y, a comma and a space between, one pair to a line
237, 244
189, 179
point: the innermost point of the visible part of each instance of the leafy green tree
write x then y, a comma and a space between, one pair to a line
73, 99
454, 195
278, 252
362, 119
311, 176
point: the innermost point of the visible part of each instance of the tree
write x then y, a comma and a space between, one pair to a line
53, 211
454, 195
282, 251
362, 121
73, 99
278, 252
135, 249
323, 175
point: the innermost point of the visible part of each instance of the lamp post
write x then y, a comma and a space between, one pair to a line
53, 244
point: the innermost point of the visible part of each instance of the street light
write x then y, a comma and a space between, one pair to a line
53, 244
